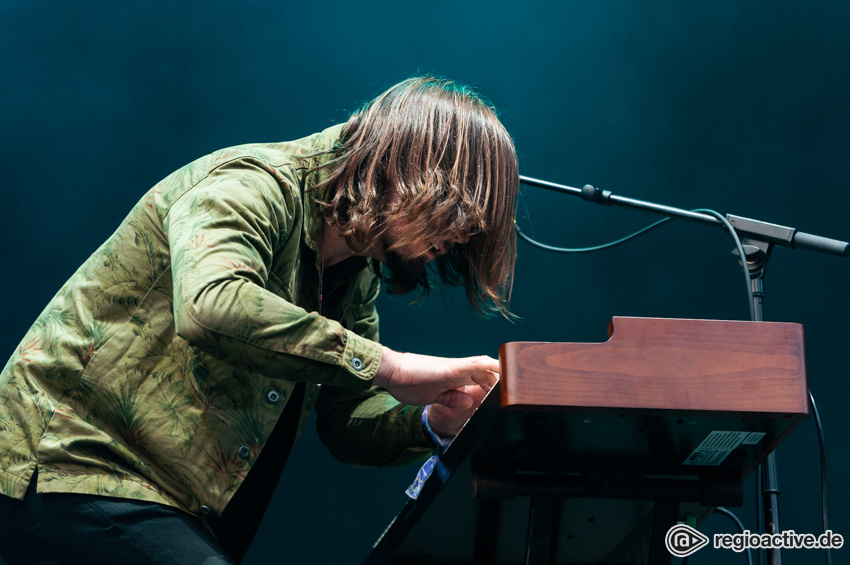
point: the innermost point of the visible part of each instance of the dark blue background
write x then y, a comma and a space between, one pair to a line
739, 106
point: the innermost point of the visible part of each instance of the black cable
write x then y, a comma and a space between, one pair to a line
743, 259
640, 232
732, 515
741, 255
822, 446
593, 248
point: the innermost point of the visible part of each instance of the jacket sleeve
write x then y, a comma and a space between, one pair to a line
222, 234
370, 427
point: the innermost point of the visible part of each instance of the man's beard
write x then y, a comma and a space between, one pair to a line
405, 273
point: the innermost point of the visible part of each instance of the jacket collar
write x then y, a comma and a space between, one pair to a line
313, 212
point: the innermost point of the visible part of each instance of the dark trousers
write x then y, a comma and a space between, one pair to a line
52, 529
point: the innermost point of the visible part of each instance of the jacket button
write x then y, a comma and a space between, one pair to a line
244, 452
273, 396
357, 364
205, 512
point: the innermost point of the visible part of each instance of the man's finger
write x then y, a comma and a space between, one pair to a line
486, 379
455, 399
468, 367
486, 363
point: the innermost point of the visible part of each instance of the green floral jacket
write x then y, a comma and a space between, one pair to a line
159, 369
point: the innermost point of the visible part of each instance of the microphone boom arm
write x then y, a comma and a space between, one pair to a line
745, 227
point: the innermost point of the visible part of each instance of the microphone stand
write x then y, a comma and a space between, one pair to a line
758, 239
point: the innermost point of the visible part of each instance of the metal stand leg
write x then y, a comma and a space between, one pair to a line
758, 253
542, 530
770, 494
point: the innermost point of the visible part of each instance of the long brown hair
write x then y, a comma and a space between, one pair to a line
432, 155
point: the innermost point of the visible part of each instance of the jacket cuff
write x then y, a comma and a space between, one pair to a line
360, 360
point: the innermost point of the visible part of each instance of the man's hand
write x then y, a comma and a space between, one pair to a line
423, 379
